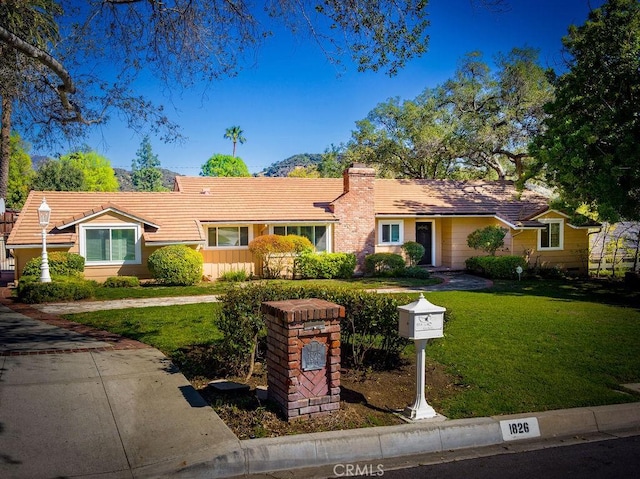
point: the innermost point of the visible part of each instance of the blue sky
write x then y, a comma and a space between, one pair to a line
292, 100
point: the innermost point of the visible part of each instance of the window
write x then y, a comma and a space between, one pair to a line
228, 236
551, 236
110, 244
390, 232
316, 234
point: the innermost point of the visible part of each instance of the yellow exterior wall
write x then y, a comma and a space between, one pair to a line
454, 239
573, 256
410, 235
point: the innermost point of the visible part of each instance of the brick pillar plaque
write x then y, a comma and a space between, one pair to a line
303, 357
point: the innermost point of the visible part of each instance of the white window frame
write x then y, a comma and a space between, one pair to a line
390, 223
550, 221
111, 226
326, 225
249, 236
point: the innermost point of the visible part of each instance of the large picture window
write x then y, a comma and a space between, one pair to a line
551, 237
317, 234
111, 244
390, 232
228, 236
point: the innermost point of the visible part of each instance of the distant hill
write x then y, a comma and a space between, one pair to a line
282, 168
124, 179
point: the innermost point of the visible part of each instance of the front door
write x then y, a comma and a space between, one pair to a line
424, 236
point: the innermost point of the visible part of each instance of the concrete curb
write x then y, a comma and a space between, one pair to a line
256, 456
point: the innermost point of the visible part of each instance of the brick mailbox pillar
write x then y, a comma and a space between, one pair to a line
303, 357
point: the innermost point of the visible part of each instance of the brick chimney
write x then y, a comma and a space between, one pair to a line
354, 209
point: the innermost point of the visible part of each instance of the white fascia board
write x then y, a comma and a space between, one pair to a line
108, 210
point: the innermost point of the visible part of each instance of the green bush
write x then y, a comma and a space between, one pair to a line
383, 264
236, 276
414, 251
369, 330
413, 272
276, 252
121, 282
496, 267
61, 263
325, 265
176, 265
61, 288
488, 239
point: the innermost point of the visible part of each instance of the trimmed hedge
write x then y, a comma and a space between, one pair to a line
61, 288
61, 263
176, 265
496, 267
369, 331
121, 282
325, 265
383, 264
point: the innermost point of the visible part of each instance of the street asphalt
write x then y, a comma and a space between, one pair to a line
76, 402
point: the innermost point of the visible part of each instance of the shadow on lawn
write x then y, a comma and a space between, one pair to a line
596, 291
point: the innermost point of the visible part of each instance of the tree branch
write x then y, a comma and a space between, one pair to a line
66, 88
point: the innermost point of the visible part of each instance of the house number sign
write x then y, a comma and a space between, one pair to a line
314, 356
522, 428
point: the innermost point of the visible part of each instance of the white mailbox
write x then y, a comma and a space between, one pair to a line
421, 320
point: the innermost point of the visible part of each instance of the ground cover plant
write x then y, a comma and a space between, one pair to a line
517, 347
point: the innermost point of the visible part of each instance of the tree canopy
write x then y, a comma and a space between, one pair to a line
96, 169
590, 149
224, 165
55, 175
477, 124
20, 174
146, 174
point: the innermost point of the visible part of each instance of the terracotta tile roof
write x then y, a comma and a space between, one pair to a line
448, 197
179, 216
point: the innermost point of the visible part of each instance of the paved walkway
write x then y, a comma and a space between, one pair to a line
450, 282
92, 404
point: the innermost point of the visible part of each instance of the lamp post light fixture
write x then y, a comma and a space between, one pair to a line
44, 214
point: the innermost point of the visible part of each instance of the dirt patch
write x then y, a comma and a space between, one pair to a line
368, 398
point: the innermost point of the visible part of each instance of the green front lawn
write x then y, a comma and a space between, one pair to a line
518, 347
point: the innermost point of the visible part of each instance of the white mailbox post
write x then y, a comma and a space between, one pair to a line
421, 321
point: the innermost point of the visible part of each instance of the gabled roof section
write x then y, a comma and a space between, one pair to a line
459, 198
102, 209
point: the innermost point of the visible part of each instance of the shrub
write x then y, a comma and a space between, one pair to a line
488, 239
413, 272
121, 282
369, 329
234, 276
176, 265
496, 267
383, 264
414, 252
325, 265
276, 251
61, 263
61, 288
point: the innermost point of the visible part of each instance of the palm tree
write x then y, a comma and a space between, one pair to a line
234, 133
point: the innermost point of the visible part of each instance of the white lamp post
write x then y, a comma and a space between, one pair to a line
44, 214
